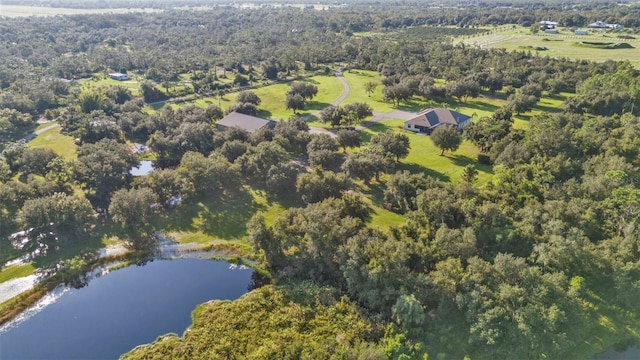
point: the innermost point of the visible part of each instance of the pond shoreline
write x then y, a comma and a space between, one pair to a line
113, 257
120, 309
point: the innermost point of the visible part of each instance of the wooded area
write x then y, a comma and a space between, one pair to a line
540, 261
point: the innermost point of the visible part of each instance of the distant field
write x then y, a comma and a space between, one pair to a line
563, 44
20, 11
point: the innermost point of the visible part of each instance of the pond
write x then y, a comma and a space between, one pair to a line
122, 309
145, 167
632, 353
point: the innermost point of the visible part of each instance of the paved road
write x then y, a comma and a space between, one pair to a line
377, 116
345, 93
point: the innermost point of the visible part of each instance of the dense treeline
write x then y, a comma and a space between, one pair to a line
521, 265
530, 265
409, 13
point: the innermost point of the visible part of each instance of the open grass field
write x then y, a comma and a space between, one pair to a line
23, 11
132, 84
424, 156
62, 144
563, 44
273, 97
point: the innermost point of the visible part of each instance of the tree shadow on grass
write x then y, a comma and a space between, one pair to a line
417, 169
265, 114
359, 73
228, 219
463, 160
367, 134
482, 106
315, 106
157, 106
375, 192
411, 105
549, 109
224, 218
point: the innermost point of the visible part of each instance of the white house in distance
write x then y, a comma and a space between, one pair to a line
547, 25
119, 76
604, 25
427, 120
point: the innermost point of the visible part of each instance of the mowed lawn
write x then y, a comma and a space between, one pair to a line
562, 44
424, 156
132, 84
273, 97
62, 144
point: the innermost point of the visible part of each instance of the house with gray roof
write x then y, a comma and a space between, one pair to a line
245, 122
427, 120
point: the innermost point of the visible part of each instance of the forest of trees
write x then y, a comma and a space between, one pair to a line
528, 266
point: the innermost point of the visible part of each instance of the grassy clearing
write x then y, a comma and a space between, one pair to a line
16, 271
62, 144
424, 157
374, 196
214, 221
562, 44
273, 97
357, 80
132, 84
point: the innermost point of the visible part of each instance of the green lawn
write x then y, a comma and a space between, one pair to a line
107, 81
562, 44
425, 157
358, 78
273, 97
62, 144
16, 271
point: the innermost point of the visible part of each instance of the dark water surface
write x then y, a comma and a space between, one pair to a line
122, 309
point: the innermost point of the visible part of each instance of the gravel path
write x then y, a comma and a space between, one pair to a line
13, 287
39, 131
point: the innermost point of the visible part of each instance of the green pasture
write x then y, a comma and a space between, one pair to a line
16, 271
273, 97
357, 80
131, 84
563, 44
424, 156
62, 144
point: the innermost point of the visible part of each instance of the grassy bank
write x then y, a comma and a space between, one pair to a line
16, 271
